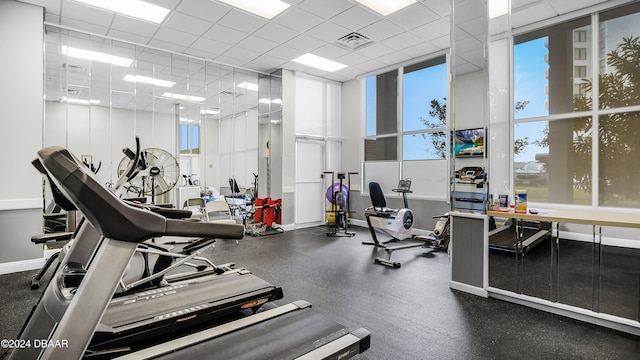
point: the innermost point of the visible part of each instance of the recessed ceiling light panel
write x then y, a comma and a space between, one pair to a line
188, 98
95, 56
386, 7
265, 8
148, 80
134, 8
319, 62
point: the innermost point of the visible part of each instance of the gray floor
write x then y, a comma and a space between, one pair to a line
411, 312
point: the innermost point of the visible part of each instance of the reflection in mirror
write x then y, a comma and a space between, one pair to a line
102, 93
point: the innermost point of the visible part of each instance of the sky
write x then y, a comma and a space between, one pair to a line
419, 88
529, 80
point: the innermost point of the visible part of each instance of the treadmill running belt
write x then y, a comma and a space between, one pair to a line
136, 317
286, 337
156, 303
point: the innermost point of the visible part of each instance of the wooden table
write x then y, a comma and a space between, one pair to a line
587, 217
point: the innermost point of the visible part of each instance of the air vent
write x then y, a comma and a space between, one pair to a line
74, 68
354, 41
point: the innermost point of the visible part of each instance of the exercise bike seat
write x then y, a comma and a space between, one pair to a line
51, 237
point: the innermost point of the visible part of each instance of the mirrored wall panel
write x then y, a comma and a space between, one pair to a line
200, 118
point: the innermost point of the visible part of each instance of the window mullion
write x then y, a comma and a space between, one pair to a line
595, 122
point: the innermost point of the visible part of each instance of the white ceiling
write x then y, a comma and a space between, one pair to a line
212, 30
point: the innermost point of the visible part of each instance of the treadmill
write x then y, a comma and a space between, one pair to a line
139, 315
67, 330
505, 238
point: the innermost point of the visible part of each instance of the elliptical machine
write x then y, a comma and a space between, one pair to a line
398, 224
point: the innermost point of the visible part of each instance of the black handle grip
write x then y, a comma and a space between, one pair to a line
203, 229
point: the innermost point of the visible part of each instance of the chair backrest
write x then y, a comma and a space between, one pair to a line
217, 210
376, 195
194, 202
234, 186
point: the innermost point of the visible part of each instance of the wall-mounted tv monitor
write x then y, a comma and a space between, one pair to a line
468, 142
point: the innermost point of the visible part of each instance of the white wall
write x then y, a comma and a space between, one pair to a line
21, 69
21, 91
102, 133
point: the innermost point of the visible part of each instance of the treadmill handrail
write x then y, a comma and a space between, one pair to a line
111, 216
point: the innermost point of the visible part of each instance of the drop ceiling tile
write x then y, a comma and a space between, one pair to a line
83, 26
276, 32
355, 18
244, 55
432, 30
371, 66
167, 4
125, 36
474, 26
265, 63
331, 51
305, 43
230, 61
83, 13
412, 17
242, 21
351, 59
180, 38
440, 7
564, 7
133, 26
286, 53
257, 44
374, 50
208, 10
225, 34
210, 46
348, 73
394, 58
187, 23
297, 19
328, 31
166, 45
326, 8
420, 50
467, 10
532, 14
443, 42
381, 30
402, 41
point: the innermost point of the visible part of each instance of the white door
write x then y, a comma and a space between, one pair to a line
309, 192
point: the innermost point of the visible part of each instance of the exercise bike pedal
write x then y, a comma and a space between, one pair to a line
35, 283
201, 267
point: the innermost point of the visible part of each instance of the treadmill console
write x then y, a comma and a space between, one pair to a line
404, 186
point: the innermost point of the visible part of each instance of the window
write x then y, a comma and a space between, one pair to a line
580, 53
189, 139
406, 128
381, 116
555, 158
424, 120
423, 106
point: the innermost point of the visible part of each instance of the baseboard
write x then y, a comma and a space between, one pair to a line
23, 265
602, 319
468, 289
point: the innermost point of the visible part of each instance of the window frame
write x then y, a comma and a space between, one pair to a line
593, 59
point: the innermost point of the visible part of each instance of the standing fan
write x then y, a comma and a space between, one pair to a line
158, 173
